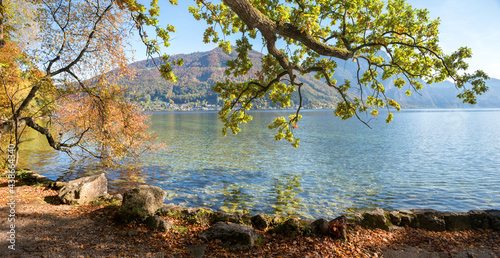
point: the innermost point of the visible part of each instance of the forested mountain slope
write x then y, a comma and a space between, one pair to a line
202, 69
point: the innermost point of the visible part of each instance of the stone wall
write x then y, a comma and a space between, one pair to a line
429, 219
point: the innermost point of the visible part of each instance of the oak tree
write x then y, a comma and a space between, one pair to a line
310, 37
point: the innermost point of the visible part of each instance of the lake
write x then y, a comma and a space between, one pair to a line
447, 160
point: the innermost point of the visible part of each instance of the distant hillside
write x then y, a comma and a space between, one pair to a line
202, 69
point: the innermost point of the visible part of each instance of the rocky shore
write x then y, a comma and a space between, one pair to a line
144, 205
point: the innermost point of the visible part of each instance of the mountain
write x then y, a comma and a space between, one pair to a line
202, 69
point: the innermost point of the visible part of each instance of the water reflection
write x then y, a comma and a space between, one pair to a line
235, 200
286, 189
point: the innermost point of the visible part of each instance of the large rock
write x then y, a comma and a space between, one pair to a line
407, 218
140, 202
235, 236
220, 216
457, 221
395, 217
320, 227
479, 219
494, 218
259, 222
338, 228
84, 190
291, 227
375, 219
158, 223
430, 219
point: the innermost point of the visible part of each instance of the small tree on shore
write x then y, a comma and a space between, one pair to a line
63, 82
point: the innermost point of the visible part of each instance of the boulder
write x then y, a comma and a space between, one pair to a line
200, 216
197, 251
430, 219
494, 218
84, 190
338, 228
375, 219
232, 235
479, 219
291, 227
158, 224
407, 218
259, 222
457, 221
140, 202
168, 209
320, 227
112, 197
220, 216
395, 217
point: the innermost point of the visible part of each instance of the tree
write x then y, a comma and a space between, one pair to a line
65, 72
313, 35
63, 83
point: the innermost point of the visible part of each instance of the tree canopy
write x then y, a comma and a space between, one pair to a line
62, 72
310, 36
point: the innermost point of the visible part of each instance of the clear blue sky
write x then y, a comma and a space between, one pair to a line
472, 23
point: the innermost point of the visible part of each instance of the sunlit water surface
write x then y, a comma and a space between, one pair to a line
440, 159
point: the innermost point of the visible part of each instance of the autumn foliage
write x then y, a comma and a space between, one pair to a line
64, 83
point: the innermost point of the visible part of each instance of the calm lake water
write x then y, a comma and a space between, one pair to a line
440, 159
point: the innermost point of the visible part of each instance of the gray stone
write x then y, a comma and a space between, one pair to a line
320, 227
232, 235
407, 218
197, 251
158, 224
395, 217
291, 227
168, 208
200, 216
220, 216
457, 221
430, 219
84, 190
112, 197
356, 219
140, 202
479, 219
191, 211
494, 218
375, 219
259, 222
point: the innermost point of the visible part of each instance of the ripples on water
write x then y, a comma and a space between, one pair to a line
440, 159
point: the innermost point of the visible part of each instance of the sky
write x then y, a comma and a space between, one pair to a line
471, 23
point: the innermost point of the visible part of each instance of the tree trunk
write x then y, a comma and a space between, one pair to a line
2, 40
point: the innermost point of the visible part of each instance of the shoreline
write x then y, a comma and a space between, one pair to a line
375, 217
351, 214
90, 230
